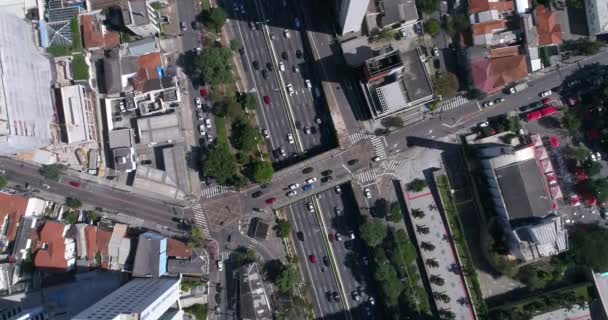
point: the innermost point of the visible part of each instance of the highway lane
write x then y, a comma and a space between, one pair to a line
273, 115
319, 276
348, 253
97, 195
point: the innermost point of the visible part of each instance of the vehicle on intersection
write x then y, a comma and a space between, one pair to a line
368, 193
310, 207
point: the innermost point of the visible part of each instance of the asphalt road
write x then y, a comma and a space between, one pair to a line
319, 276
95, 194
348, 253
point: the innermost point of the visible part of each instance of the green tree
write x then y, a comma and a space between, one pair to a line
448, 25
592, 168
445, 84
514, 124
373, 233
244, 136
578, 153
600, 189
3, 182
583, 46
215, 18
432, 27
220, 164
571, 122
235, 45
461, 22
71, 217
73, 203
396, 214
392, 122
247, 101
229, 108
416, 185
390, 285
244, 255
529, 276
198, 311
287, 279
53, 171
283, 228
197, 237
262, 171
427, 6
214, 65
575, 3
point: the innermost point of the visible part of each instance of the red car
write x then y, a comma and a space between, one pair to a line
271, 200
331, 237
75, 184
313, 259
267, 99
204, 92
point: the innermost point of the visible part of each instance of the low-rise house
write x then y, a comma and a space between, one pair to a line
76, 111
55, 251
151, 256
254, 303
95, 35
121, 145
493, 69
390, 15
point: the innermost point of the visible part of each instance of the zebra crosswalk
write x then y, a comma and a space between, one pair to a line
200, 218
210, 192
452, 103
392, 165
358, 136
368, 176
378, 144
225, 255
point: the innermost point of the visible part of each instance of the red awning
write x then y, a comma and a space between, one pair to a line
580, 174
575, 201
549, 111
534, 115
554, 141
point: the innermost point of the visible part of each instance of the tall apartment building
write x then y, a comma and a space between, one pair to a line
351, 14
141, 299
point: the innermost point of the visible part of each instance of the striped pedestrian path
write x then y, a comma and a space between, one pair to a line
358, 136
452, 103
225, 255
392, 165
368, 176
378, 144
200, 218
210, 192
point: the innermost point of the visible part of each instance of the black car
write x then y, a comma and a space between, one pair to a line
284, 55
326, 172
308, 170
300, 235
352, 162
257, 194
256, 65
299, 54
330, 296
327, 179
241, 51
269, 66
264, 74
336, 296
326, 261
146, 162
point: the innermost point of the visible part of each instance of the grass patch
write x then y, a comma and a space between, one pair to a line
76, 37
59, 51
460, 241
198, 311
188, 284
220, 128
80, 69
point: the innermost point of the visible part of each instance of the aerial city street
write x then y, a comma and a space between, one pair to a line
282, 159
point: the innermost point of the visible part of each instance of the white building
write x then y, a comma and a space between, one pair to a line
77, 114
597, 16
140, 17
141, 299
351, 14
26, 110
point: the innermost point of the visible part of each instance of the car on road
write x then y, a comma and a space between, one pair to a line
251, 25
299, 54
271, 200
292, 193
204, 93
310, 207
290, 89
198, 102
295, 68
338, 190
294, 186
75, 184
264, 74
311, 180
356, 296
436, 52
326, 179
351, 234
284, 55
286, 34
368, 193
308, 187
329, 295
290, 138
199, 115
326, 173
208, 123
499, 100
300, 235
183, 26
266, 99
313, 258
308, 84
338, 236
326, 261
256, 65
307, 130
220, 265
281, 66
46, 186
338, 211
266, 133
487, 104
282, 151
257, 194
146, 162
308, 170
336, 296
269, 66
242, 9
545, 93
371, 301
201, 129
484, 124
376, 159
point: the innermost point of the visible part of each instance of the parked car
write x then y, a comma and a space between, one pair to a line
75, 184
311, 180
220, 265
295, 68
281, 66
300, 235
545, 93
326, 261
294, 186
368, 193
308, 84
326, 172
299, 54
271, 200
308, 170
338, 211
208, 123
499, 100
487, 104
308, 187
256, 65
269, 66
436, 52
338, 189
257, 194
327, 179
290, 138
286, 34
284, 55
292, 193
313, 258
266, 133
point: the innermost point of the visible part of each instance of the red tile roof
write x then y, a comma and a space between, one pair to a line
504, 52
95, 35
90, 234
12, 209
103, 240
477, 6
488, 27
53, 256
148, 65
548, 27
176, 248
490, 75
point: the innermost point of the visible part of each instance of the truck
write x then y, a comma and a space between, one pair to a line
518, 87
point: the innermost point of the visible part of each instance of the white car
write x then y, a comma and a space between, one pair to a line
208, 123
308, 84
290, 89
545, 93
265, 133
292, 193
311, 180
286, 34
351, 234
281, 66
487, 104
220, 265
310, 207
290, 138
282, 151
338, 189
294, 186
484, 124
436, 52
368, 194
199, 103
376, 159
295, 68
595, 156
201, 129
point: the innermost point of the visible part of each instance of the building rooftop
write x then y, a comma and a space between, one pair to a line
135, 12
543, 239
23, 242
141, 47
548, 27
74, 114
53, 252
524, 191
195, 266
103, 240
395, 11
12, 210
477, 6
178, 248
492, 74
95, 34
153, 180
149, 65
254, 303
174, 159
151, 256
159, 129
25, 119
90, 234
120, 138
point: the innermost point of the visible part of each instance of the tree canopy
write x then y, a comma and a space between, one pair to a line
247, 100
445, 84
214, 65
220, 164
373, 233
586, 246
53, 171
427, 6
73, 203
600, 189
432, 27
283, 228
262, 171
214, 18
416, 185
3, 182
583, 46
396, 214
244, 136
287, 279
571, 122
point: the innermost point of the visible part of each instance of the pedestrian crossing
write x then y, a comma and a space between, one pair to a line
224, 255
210, 192
368, 176
378, 144
392, 165
452, 103
200, 218
358, 136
